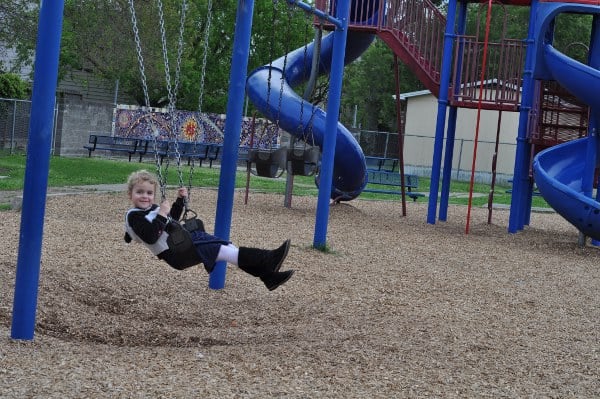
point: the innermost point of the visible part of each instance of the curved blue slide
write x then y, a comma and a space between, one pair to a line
270, 89
561, 171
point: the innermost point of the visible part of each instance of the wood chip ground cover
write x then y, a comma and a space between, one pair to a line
397, 309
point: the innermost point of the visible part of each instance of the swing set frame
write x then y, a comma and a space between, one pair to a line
41, 122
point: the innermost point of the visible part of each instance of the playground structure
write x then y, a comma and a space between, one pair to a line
425, 40
455, 67
551, 91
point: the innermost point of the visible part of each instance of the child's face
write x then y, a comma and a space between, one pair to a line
142, 195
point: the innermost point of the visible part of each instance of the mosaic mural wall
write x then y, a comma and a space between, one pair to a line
146, 123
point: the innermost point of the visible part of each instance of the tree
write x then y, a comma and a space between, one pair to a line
18, 26
98, 37
572, 34
571, 31
12, 86
370, 86
110, 52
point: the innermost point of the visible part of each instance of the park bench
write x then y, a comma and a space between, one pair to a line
194, 151
189, 150
392, 179
149, 147
214, 152
112, 144
382, 163
535, 192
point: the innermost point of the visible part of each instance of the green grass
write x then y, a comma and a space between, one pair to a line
66, 171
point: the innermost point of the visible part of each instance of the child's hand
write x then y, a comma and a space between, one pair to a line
182, 192
165, 208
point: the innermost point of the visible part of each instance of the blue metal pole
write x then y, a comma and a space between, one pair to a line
37, 167
521, 186
438, 145
594, 144
447, 168
233, 128
315, 11
331, 122
592, 147
452, 117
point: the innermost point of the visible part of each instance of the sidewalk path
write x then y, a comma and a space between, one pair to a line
15, 198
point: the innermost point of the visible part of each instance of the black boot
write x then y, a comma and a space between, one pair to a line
278, 255
274, 280
260, 261
265, 264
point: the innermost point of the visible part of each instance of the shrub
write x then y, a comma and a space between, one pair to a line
12, 86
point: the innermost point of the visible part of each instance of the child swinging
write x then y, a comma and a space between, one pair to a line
148, 223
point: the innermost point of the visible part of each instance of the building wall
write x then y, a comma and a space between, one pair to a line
7, 57
76, 120
84, 86
421, 118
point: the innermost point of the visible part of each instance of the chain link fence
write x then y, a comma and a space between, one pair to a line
418, 154
14, 125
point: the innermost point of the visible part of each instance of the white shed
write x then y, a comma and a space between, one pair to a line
421, 119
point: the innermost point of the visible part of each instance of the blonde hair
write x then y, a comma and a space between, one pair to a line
139, 177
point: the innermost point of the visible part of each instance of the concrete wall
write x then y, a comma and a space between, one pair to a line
76, 120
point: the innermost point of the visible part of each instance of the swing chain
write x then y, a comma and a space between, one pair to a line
172, 90
285, 60
161, 178
201, 91
205, 55
138, 47
305, 56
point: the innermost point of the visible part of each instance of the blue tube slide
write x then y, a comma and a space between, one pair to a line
301, 119
560, 171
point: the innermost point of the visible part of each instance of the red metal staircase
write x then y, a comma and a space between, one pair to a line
413, 29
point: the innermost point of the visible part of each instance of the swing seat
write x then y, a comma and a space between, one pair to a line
181, 244
180, 240
303, 161
268, 163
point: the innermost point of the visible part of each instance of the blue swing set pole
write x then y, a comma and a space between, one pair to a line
452, 118
233, 128
331, 122
520, 204
37, 167
438, 145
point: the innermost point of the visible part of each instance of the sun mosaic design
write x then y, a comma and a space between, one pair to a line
149, 123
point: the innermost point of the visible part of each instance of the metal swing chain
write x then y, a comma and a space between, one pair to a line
172, 90
285, 60
201, 91
306, 97
316, 53
300, 124
138, 46
270, 74
282, 79
205, 55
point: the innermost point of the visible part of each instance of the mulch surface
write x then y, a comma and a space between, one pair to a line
396, 308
